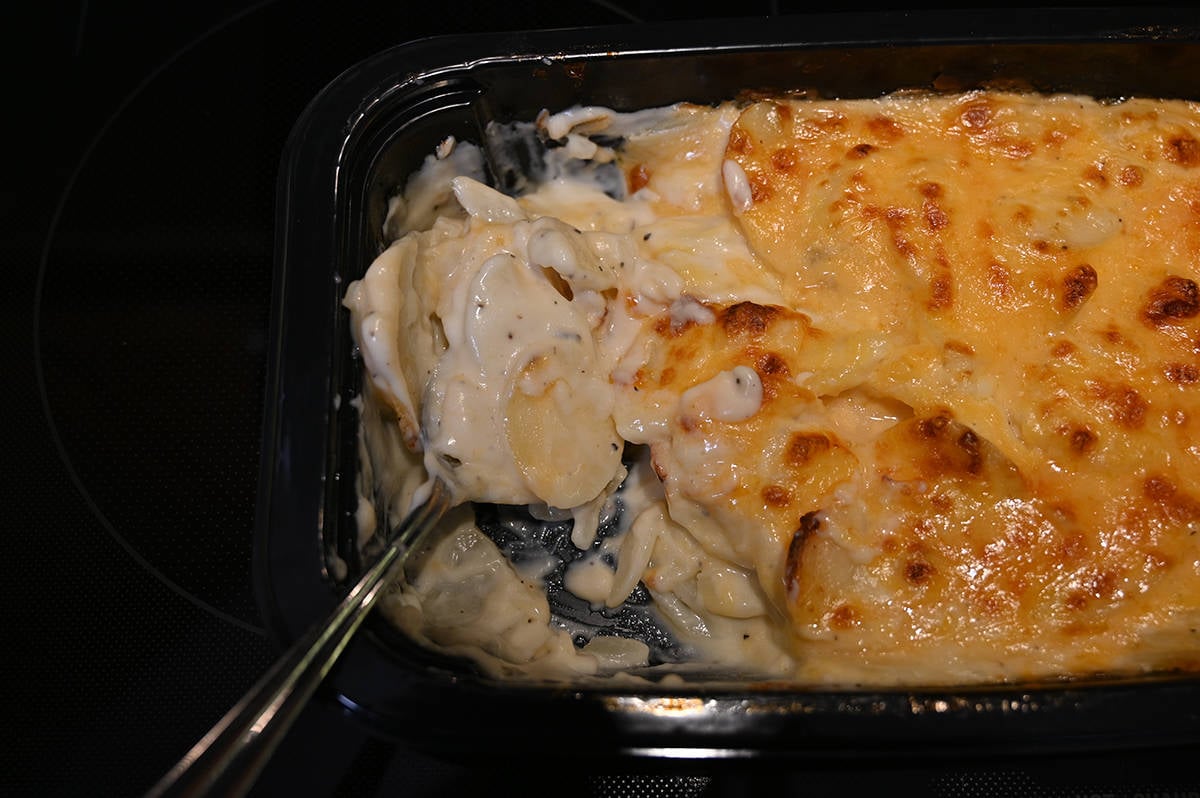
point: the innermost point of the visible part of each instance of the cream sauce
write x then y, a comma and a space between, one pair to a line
542, 300
503, 338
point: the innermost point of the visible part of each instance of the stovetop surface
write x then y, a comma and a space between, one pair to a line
138, 254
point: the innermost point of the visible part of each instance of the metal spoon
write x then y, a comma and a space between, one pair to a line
228, 760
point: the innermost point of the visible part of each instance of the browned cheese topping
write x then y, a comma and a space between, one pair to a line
910, 385
978, 451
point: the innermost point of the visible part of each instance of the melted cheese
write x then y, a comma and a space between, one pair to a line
915, 375
1017, 251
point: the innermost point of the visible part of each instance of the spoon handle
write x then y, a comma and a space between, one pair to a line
229, 758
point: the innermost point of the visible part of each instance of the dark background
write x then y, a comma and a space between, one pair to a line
138, 221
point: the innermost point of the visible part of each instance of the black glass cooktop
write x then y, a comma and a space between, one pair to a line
138, 241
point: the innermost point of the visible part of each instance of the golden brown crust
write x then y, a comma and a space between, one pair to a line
1014, 276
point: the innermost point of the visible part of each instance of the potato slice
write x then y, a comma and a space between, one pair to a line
562, 437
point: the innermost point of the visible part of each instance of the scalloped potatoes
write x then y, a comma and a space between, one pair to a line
913, 377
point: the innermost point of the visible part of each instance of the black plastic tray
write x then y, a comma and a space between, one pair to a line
374, 124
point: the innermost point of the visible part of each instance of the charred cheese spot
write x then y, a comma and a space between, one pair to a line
784, 159
1021, 217
941, 290
772, 365
959, 347
860, 151
1131, 176
1179, 507
897, 219
1063, 349
931, 190
844, 616
1073, 549
1095, 586
941, 501
1078, 285
760, 187
933, 426
1000, 281
747, 318
774, 374
977, 115
1183, 150
1082, 439
1182, 373
935, 216
1019, 149
777, 496
1159, 488
968, 442
1094, 173
885, 129
945, 448
803, 447
1058, 136
1125, 405
1175, 299
917, 572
